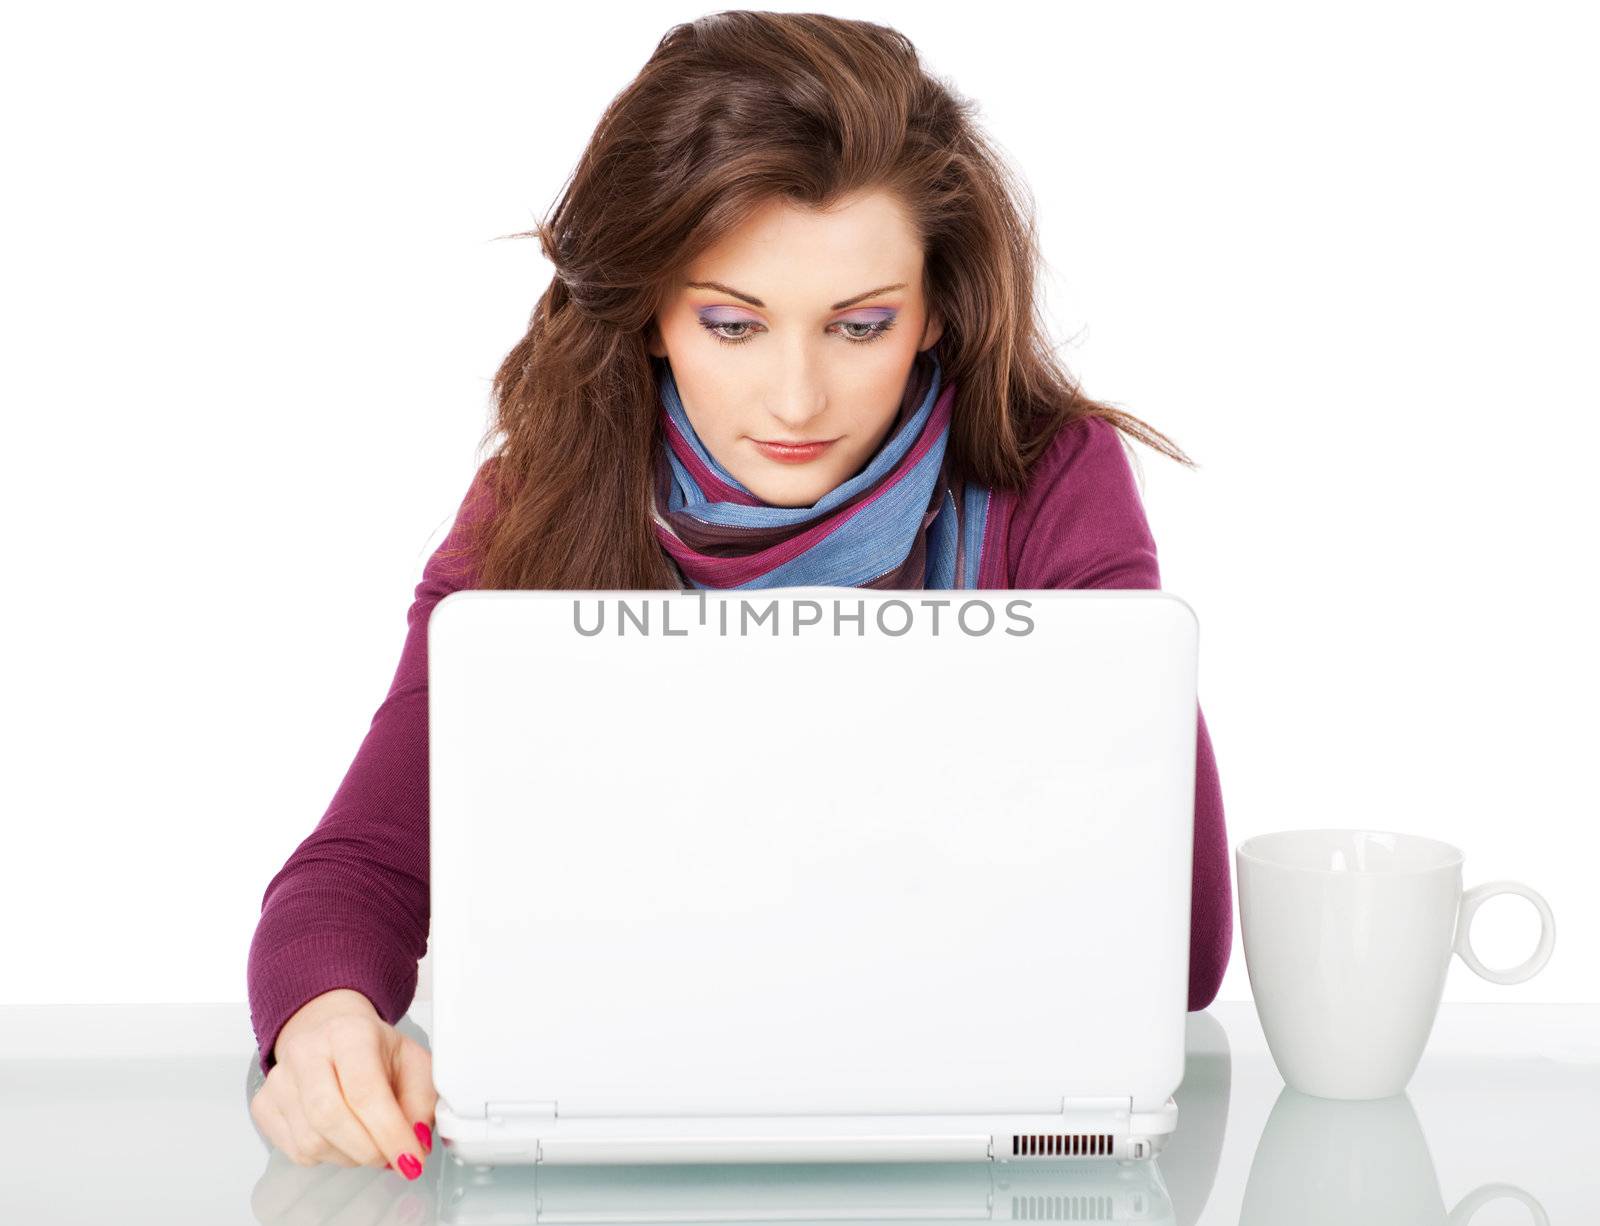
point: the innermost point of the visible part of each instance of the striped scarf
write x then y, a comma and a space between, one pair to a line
903, 522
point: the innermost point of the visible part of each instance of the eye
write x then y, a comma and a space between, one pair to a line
716, 329
872, 331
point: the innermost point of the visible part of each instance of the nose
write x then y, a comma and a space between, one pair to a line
796, 399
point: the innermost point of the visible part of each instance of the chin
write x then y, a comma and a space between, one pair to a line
790, 499
800, 492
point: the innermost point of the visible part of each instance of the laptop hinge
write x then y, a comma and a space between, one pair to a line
521, 1110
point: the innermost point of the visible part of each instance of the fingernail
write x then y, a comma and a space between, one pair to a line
409, 1166
388, 1166
425, 1135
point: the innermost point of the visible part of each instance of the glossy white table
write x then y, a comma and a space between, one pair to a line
116, 1113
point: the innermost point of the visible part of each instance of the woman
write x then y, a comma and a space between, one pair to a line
791, 339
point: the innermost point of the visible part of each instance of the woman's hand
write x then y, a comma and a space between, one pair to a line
347, 1088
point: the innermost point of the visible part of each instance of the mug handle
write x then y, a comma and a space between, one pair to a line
1479, 1197
1474, 898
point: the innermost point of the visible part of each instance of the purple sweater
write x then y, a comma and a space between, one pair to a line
349, 909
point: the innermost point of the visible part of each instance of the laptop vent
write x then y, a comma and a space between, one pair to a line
1062, 1145
1062, 1208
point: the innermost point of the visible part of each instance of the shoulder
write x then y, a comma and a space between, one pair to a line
454, 563
1080, 521
1086, 448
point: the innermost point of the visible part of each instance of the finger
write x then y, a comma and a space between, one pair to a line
270, 1119
365, 1077
303, 1145
309, 1147
417, 1095
323, 1103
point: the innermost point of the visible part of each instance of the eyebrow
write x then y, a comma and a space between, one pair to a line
754, 301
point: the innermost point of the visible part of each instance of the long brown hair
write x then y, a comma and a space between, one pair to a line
730, 112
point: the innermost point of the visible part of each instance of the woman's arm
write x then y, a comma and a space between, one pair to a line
349, 909
1081, 524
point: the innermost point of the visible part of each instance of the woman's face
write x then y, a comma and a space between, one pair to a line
799, 326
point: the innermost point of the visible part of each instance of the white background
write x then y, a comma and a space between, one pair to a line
1345, 257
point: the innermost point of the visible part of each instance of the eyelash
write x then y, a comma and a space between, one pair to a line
879, 327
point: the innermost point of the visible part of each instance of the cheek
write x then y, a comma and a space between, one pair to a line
874, 397
709, 389
711, 399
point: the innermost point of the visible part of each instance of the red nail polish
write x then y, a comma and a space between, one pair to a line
425, 1135
388, 1166
409, 1166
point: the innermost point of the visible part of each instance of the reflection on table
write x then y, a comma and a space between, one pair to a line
134, 1113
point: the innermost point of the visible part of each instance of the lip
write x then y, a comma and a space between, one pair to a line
787, 453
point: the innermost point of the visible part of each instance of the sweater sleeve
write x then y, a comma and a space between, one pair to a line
349, 908
1081, 524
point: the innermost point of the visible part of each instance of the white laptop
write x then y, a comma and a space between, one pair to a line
813, 874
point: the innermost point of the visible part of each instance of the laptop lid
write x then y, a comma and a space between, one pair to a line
810, 850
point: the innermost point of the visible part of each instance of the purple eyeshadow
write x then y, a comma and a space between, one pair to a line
725, 315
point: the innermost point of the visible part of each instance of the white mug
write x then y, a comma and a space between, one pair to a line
1347, 939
